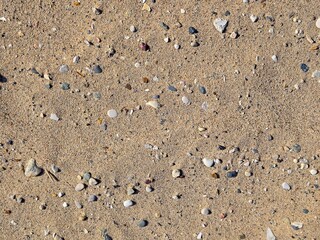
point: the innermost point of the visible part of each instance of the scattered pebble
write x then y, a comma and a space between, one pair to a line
76, 59
142, 223
86, 176
96, 69
318, 23
172, 88
202, 90
220, 24
54, 168
286, 186
64, 68
296, 148
192, 30
93, 182
270, 235
54, 117
274, 58
185, 100
112, 113
253, 18
304, 67
65, 86
78, 204
208, 162
79, 187
166, 39
314, 171
296, 225
153, 104
65, 204
92, 198
205, 211
176, 46
305, 211
316, 74
232, 174
149, 188
133, 28
31, 169
128, 203
248, 173
176, 173
164, 26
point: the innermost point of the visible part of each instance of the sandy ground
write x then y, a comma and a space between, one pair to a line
249, 98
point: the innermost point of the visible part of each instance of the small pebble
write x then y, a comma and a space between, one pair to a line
130, 191
304, 67
286, 186
195, 44
149, 188
112, 113
54, 117
133, 28
296, 148
247, 173
305, 211
54, 168
97, 69
220, 24
65, 86
79, 187
296, 225
142, 223
192, 30
202, 90
164, 26
128, 203
61, 194
176, 46
232, 174
86, 176
20, 200
65, 204
205, 211
93, 182
166, 39
314, 171
316, 74
78, 204
208, 162
31, 169
92, 198
153, 104
185, 100
172, 88
176, 173
64, 68
274, 58
253, 18
144, 47
96, 95
76, 59
318, 23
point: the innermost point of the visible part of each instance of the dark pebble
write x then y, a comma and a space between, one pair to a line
296, 148
192, 30
144, 47
33, 70
65, 86
164, 26
172, 88
304, 67
232, 174
220, 147
227, 13
92, 198
142, 223
98, 11
156, 96
270, 138
10, 142
97, 69
294, 227
202, 90
48, 86
305, 211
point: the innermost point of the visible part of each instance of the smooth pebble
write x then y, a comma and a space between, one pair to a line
220, 24
318, 23
64, 68
93, 182
128, 203
79, 187
176, 173
205, 211
208, 162
97, 69
185, 100
314, 171
92, 198
31, 169
142, 223
153, 104
286, 186
112, 113
54, 117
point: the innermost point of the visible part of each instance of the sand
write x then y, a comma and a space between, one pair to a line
252, 103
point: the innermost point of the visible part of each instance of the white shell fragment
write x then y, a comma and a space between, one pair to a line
153, 104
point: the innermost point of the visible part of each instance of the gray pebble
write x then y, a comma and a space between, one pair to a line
232, 174
205, 211
86, 176
164, 26
78, 204
296, 148
286, 186
65, 86
76, 59
202, 90
142, 223
48, 86
31, 169
20, 200
54, 168
172, 88
79, 187
93, 182
97, 69
64, 68
97, 95
92, 198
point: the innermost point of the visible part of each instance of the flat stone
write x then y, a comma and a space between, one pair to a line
54, 117
220, 24
96, 69
192, 30
208, 162
86, 176
270, 235
31, 169
64, 68
128, 203
79, 187
172, 88
205, 211
286, 186
93, 182
112, 113
142, 223
153, 104
318, 23
78, 204
92, 198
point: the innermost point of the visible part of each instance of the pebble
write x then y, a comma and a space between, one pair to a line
305, 211
144, 47
296, 225
176, 173
112, 113
192, 30
92, 198
61, 194
149, 188
202, 90
316, 74
130, 191
274, 58
270, 235
128, 203
205, 211
247, 173
318, 23
86, 176
208, 162
164, 26
54, 168
97, 69
142, 223
76, 59
54, 117
253, 18
78, 204
172, 88
93, 182
153, 104
232, 174
65, 204
199, 236
133, 28
220, 24
176, 46
234, 35
79, 187
195, 44
166, 39
65, 86
286, 186
314, 171
304, 67
96, 95
31, 169
185, 100
296, 148
64, 68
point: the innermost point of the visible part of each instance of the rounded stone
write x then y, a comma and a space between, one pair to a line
185, 100
296, 148
86, 176
133, 28
232, 174
208, 162
172, 88
318, 23
112, 113
304, 67
149, 188
97, 69
176, 173
128, 203
79, 187
65, 86
64, 68
247, 173
202, 90
192, 30
142, 223
205, 211
314, 171
286, 186
92, 198
93, 182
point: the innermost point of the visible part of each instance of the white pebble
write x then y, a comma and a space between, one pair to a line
253, 18
247, 173
133, 28
153, 104
199, 236
76, 59
79, 187
274, 58
220, 24
127, 203
318, 23
205, 211
65, 204
93, 182
166, 39
182, 11
313, 171
176, 46
149, 188
208, 162
176, 173
185, 100
286, 186
61, 194
112, 113
54, 117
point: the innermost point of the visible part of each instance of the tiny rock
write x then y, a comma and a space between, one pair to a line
220, 24
31, 169
79, 187
286, 186
208, 162
128, 203
153, 104
176, 173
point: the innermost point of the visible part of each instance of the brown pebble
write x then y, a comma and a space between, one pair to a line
144, 47
128, 86
145, 79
